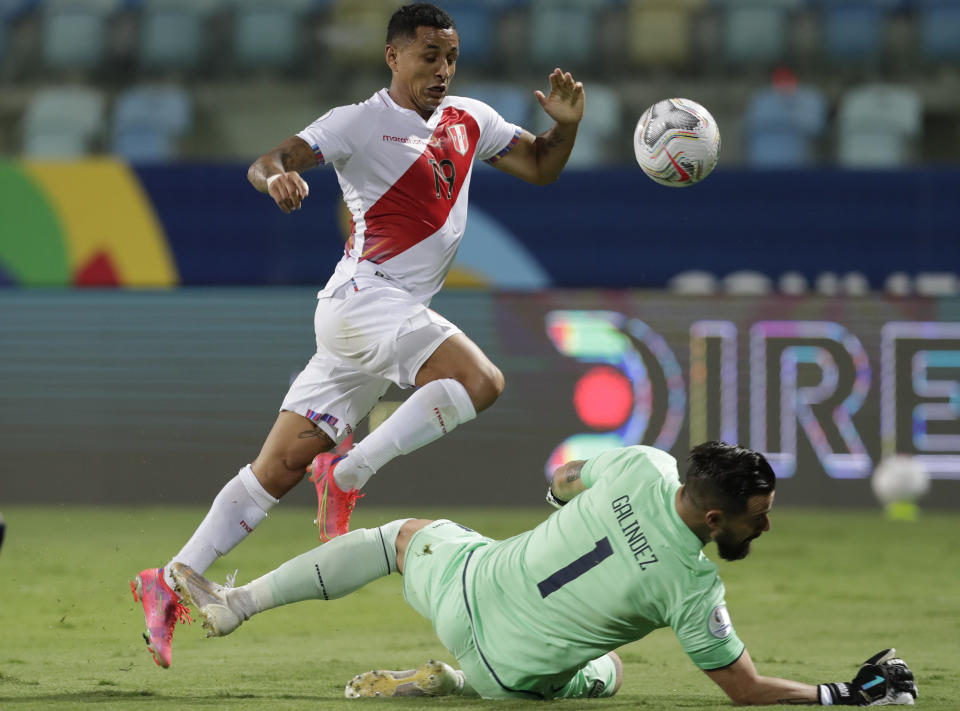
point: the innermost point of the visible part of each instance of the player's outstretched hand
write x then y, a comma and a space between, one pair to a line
288, 190
883, 680
565, 102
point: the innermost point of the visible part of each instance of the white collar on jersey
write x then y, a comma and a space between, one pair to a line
432, 122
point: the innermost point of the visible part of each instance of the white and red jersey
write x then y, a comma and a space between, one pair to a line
405, 180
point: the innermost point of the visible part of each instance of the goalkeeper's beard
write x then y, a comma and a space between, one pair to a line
734, 550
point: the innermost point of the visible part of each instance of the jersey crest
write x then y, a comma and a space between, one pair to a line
458, 136
419, 202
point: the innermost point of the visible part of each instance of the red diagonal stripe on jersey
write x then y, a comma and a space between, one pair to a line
410, 211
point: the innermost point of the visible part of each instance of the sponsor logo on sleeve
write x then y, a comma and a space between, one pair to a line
719, 624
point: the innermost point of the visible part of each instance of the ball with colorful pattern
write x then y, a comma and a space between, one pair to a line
677, 142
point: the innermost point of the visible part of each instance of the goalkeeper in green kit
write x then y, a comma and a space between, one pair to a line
537, 616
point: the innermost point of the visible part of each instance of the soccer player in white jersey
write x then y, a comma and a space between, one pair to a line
537, 616
404, 159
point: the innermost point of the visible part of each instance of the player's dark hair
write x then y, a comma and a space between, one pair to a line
724, 476
406, 20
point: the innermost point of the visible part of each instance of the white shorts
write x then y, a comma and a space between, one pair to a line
367, 338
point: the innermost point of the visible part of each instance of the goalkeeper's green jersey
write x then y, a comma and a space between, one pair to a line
611, 566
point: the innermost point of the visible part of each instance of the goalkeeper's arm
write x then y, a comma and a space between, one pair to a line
883, 679
566, 483
746, 687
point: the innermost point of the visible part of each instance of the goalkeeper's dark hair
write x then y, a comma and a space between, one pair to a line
724, 476
405, 21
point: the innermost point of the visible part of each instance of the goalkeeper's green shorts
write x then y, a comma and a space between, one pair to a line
433, 586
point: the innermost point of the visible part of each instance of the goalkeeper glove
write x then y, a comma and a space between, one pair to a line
553, 500
884, 679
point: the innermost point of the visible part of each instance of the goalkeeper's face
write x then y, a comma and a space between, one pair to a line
734, 535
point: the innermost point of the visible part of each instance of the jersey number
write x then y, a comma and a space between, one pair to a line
601, 551
440, 177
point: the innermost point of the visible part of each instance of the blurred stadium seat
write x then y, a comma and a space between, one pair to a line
756, 30
694, 282
75, 32
257, 112
62, 122
793, 283
561, 32
875, 123
854, 29
600, 126
477, 26
718, 50
173, 33
267, 33
356, 30
937, 284
782, 126
854, 284
659, 32
10, 10
939, 22
898, 284
827, 284
510, 101
747, 282
148, 120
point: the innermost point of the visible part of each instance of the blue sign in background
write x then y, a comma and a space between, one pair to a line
612, 228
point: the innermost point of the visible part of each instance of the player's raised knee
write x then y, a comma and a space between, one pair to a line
484, 386
618, 664
406, 533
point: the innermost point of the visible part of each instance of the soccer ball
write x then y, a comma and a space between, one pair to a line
677, 142
899, 479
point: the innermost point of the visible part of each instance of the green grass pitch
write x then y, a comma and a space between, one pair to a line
821, 592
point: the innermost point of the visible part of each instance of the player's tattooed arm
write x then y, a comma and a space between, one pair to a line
540, 159
277, 173
292, 155
552, 138
566, 480
314, 433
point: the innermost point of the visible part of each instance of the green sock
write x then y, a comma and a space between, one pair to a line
465, 688
329, 571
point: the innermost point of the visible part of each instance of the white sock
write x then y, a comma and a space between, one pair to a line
239, 507
431, 412
327, 572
